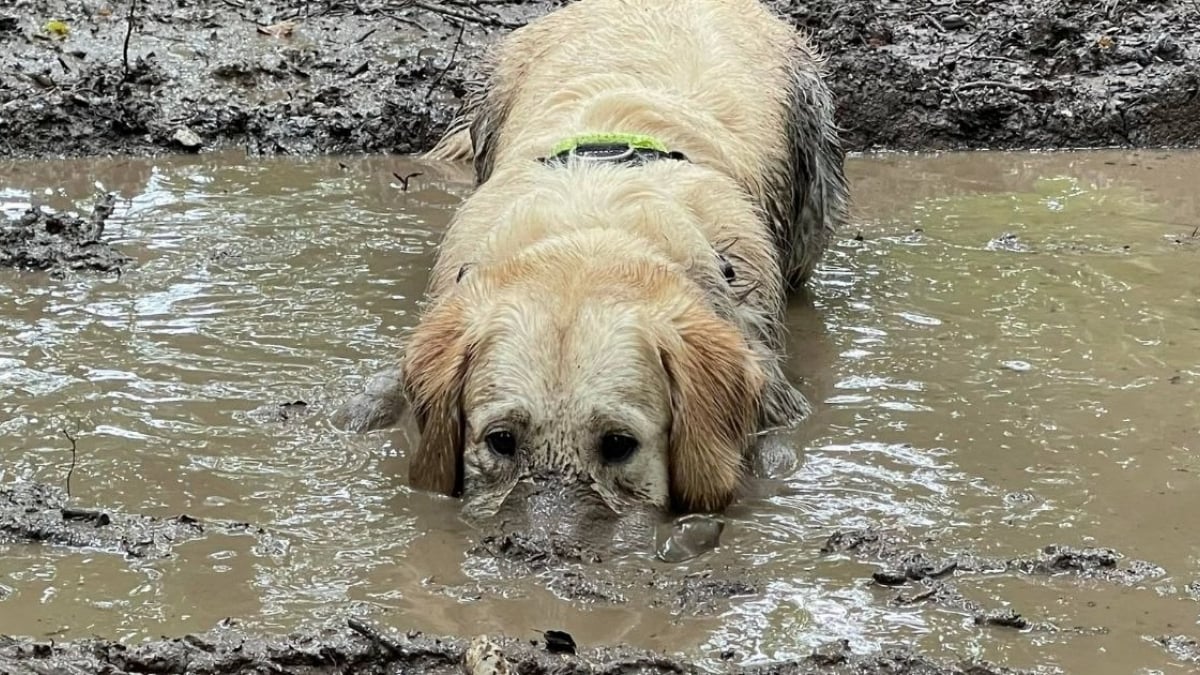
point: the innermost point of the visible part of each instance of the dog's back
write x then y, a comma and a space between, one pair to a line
723, 81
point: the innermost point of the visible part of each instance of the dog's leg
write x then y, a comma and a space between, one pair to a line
808, 199
455, 146
379, 405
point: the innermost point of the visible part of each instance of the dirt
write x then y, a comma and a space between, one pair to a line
40, 513
359, 647
307, 77
342, 76
34, 513
920, 577
57, 242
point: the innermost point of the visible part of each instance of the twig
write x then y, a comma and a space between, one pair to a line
485, 20
101, 210
978, 84
967, 46
404, 179
97, 518
74, 456
462, 28
359, 626
923, 595
128, 34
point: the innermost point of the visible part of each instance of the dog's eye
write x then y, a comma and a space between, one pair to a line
502, 443
617, 448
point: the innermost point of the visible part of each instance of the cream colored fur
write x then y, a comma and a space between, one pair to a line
566, 295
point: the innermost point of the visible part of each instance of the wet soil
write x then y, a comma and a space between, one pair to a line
33, 513
341, 76
361, 648
39, 513
57, 242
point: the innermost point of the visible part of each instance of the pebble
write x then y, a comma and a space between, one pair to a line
187, 139
483, 657
953, 22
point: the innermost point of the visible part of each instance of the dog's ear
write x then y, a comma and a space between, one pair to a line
716, 394
435, 368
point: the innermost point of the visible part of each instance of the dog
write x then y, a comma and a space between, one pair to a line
653, 179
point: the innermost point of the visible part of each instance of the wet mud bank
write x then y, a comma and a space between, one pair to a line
335, 76
40, 240
34, 514
359, 647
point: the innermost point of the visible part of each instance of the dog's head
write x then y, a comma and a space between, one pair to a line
587, 369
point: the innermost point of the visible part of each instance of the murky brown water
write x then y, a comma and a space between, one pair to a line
990, 395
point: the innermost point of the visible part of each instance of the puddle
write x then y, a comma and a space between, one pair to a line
1005, 359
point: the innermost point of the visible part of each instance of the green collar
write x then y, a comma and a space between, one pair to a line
617, 148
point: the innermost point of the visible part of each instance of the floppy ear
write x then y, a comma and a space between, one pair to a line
435, 368
716, 392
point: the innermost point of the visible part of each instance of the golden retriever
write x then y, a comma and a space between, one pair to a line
653, 178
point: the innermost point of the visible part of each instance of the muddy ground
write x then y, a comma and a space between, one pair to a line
36, 514
338, 76
346, 76
359, 647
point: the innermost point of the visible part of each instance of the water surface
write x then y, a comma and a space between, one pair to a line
1005, 358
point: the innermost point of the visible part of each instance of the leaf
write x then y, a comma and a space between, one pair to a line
57, 28
559, 642
283, 29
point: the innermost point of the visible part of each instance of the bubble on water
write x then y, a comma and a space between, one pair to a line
1017, 366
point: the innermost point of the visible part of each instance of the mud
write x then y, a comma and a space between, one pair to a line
60, 242
39, 513
336, 76
34, 513
359, 647
934, 578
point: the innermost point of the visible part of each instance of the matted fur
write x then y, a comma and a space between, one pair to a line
740, 93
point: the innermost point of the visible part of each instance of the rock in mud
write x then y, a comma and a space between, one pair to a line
57, 242
187, 139
483, 657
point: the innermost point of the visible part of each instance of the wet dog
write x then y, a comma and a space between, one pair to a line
654, 177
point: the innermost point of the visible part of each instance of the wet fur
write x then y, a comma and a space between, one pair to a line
765, 187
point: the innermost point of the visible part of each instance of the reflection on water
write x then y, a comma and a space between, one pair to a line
1005, 358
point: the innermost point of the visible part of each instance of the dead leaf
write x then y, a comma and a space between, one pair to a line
1105, 42
283, 29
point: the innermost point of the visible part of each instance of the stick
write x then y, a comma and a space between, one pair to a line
128, 34
73, 458
999, 85
485, 20
359, 626
462, 28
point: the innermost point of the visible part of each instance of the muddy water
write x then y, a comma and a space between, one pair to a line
1006, 359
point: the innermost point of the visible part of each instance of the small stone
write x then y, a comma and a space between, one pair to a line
187, 139
890, 578
483, 657
953, 22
